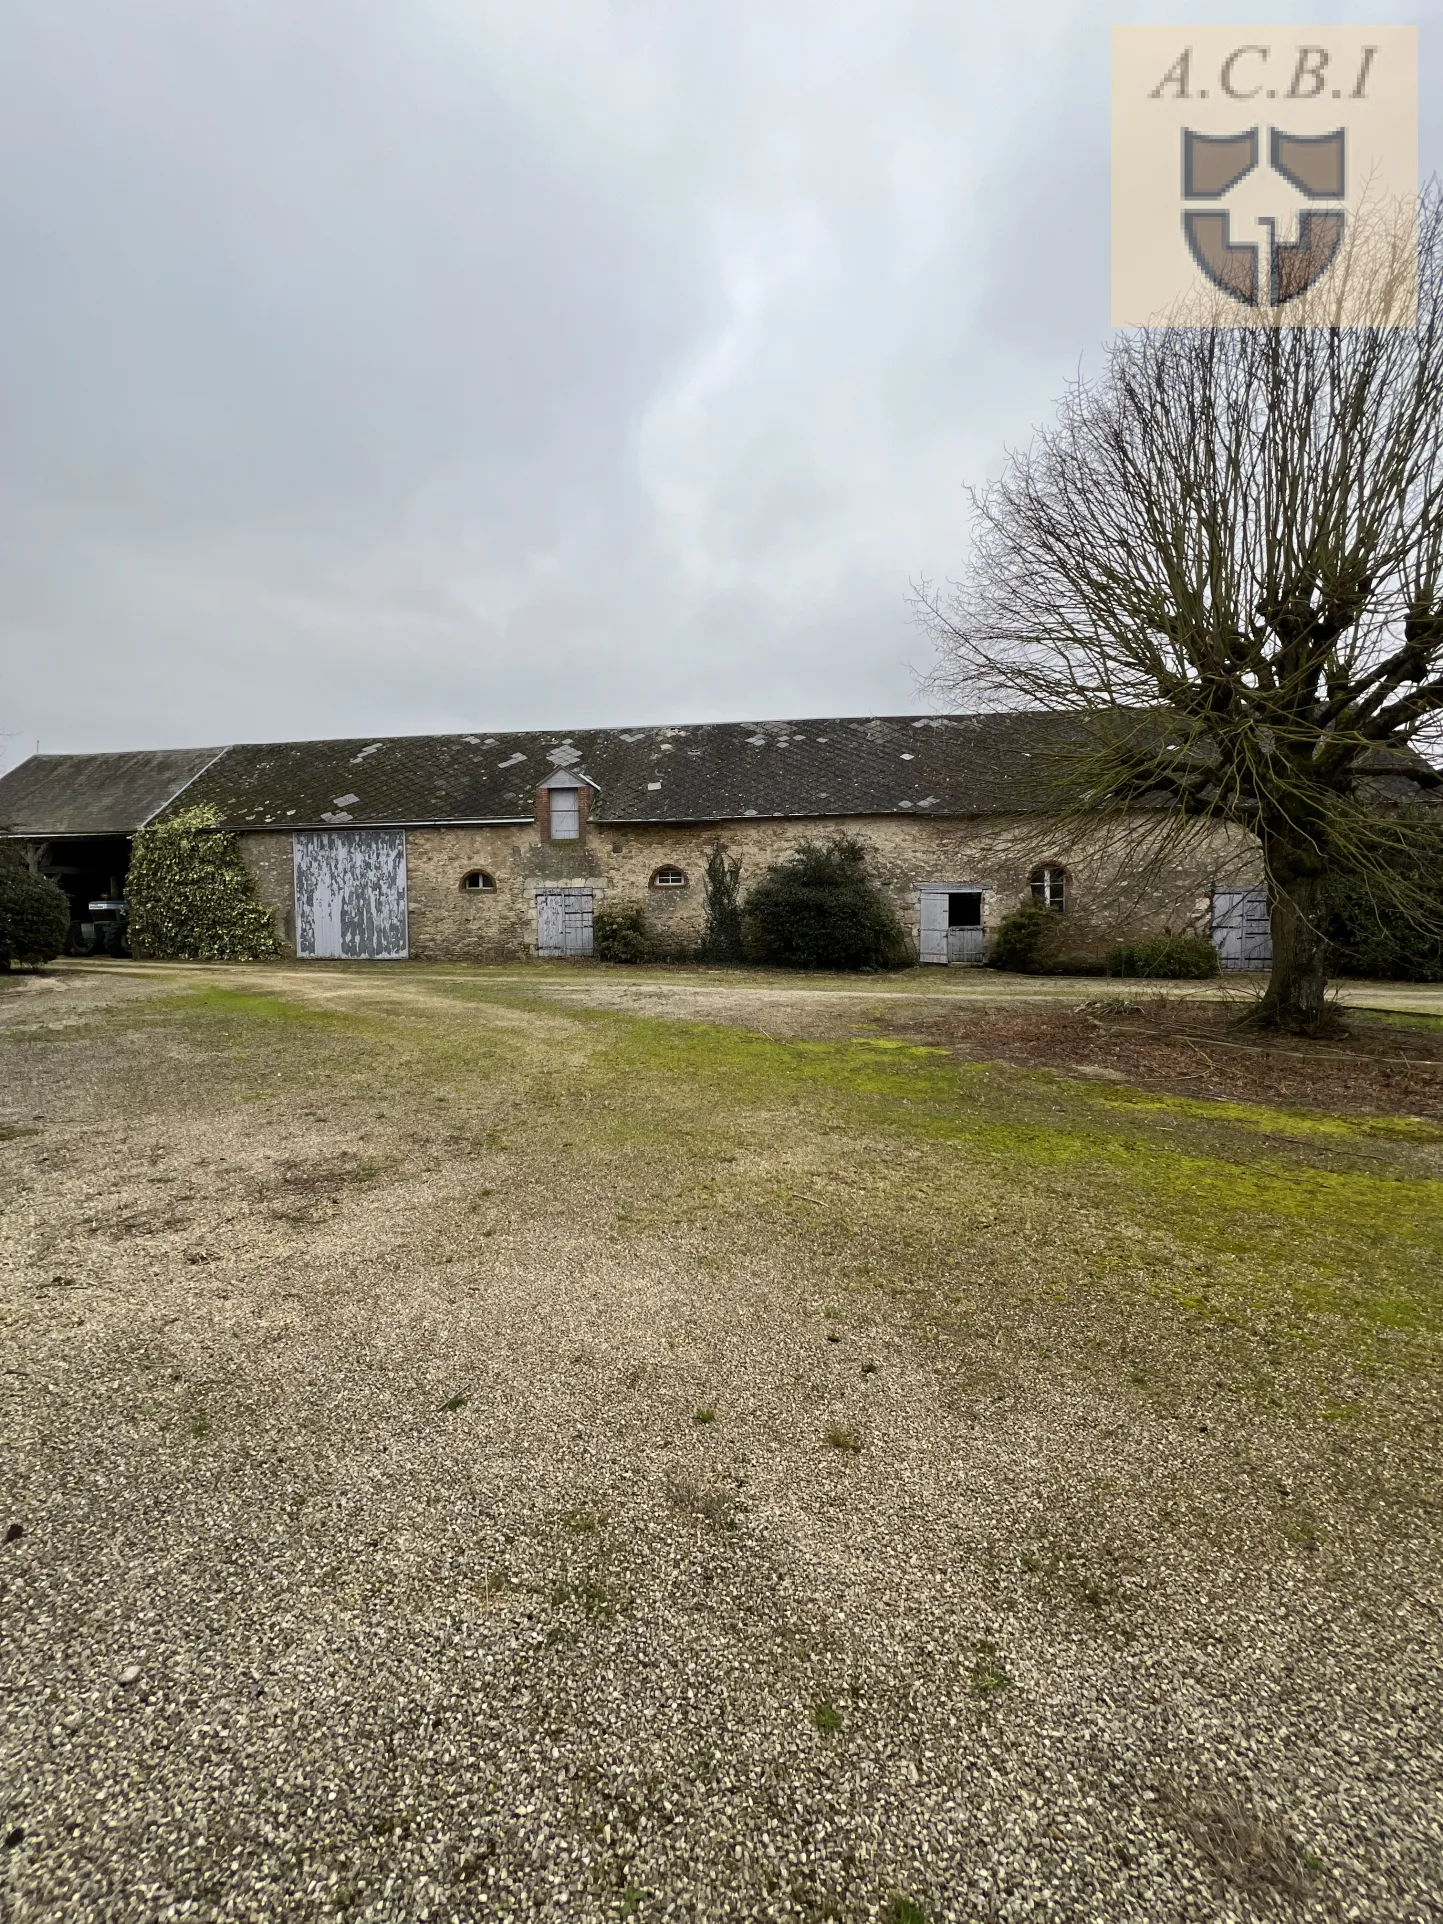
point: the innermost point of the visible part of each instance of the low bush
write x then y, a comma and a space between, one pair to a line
820, 909
190, 897
34, 918
1028, 942
1172, 958
619, 932
1376, 938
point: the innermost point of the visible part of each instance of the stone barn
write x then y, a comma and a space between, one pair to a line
491, 847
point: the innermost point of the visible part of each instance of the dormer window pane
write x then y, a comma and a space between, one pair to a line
565, 815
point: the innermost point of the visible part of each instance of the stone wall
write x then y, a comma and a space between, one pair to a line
271, 861
1117, 884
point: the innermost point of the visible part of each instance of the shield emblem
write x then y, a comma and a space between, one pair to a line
1314, 165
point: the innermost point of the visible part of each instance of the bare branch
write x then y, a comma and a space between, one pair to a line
1226, 559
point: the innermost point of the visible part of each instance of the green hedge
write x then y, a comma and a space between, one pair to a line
34, 918
820, 909
1028, 941
1388, 945
190, 897
1173, 958
1032, 941
619, 932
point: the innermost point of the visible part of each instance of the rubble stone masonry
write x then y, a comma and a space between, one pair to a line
1117, 886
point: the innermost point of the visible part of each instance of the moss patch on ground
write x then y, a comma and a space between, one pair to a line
890, 1166
1323, 1231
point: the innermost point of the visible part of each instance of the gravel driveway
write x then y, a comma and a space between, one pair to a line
451, 1469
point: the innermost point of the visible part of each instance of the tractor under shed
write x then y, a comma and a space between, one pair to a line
72, 817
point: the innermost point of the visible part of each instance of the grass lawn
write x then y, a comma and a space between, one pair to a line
589, 1443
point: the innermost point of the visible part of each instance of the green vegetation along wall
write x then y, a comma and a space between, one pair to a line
619, 929
190, 896
1372, 933
34, 918
820, 909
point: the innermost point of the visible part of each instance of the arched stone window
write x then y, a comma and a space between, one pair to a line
669, 878
1051, 887
479, 881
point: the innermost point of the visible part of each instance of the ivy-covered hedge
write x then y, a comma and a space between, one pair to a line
1034, 940
1372, 937
34, 918
722, 897
1027, 941
190, 897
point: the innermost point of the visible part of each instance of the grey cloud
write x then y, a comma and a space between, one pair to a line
371, 368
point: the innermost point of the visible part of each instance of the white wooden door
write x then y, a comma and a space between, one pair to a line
932, 941
964, 945
351, 894
1242, 935
950, 927
563, 922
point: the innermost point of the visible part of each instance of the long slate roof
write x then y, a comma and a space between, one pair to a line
95, 794
940, 765
715, 771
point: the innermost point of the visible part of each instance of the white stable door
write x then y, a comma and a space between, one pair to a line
950, 927
564, 922
1242, 934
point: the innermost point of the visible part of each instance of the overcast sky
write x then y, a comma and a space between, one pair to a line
450, 364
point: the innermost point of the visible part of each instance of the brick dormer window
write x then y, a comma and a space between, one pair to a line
562, 802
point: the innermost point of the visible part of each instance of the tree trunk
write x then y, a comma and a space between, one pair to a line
1297, 989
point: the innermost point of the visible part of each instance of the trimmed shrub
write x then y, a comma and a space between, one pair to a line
34, 918
619, 932
1028, 942
190, 897
1361, 942
722, 896
1172, 958
820, 909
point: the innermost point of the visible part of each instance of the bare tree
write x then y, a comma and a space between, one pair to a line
1225, 560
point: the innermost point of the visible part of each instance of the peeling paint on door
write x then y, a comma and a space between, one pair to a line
563, 921
351, 894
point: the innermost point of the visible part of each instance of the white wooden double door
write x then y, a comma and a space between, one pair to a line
1242, 934
563, 922
351, 894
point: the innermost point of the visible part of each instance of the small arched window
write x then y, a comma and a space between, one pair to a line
669, 878
480, 881
1050, 888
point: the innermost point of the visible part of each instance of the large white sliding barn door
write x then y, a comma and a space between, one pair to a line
351, 894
